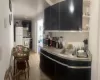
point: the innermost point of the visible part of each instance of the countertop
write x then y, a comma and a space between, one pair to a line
68, 56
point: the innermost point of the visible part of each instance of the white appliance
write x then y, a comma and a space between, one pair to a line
19, 35
26, 42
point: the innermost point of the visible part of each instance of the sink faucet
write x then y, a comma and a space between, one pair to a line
75, 51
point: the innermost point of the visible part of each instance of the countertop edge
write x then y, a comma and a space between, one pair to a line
66, 57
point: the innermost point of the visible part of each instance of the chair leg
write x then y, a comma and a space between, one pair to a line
28, 68
25, 75
28, 73
16, 73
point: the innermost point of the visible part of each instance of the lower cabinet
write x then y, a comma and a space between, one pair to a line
79, 74
58, 71
47, 66
61, 72
65, 73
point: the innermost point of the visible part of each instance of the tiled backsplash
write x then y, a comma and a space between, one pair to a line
76, 44
71, 36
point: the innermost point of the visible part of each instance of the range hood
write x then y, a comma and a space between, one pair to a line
52, 2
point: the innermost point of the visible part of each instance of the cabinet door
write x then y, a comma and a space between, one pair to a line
79, 74
47, 66
71, 15
55, 17
30, 29
27, 23
47, 19
61, 72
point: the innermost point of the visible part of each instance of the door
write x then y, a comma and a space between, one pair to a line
40, 34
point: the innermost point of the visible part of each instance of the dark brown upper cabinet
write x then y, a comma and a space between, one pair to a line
66, 15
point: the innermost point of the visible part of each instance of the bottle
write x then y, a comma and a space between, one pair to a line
57, 42
61, 42
46, 40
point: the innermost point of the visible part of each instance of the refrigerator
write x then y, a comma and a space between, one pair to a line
19, 35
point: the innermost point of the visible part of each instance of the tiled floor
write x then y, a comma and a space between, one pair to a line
35, 72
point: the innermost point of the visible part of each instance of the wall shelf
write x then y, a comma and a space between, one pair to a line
65, 31
86, 16
87, 2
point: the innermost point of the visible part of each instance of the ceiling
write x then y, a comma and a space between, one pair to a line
28, 8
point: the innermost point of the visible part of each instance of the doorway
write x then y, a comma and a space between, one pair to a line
39, 34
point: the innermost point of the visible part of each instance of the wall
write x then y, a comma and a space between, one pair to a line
34, 30
72, 36
6, 37
94, 38
75, 38
34, 35
99, 49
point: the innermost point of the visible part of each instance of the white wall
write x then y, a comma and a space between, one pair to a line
99, 49
34, 35
28, 8
6, 37
72, 36
34, 30
94, 38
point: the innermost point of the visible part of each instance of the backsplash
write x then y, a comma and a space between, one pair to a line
71, 37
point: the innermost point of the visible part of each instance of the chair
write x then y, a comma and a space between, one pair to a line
21, 64
9, 74
21, 58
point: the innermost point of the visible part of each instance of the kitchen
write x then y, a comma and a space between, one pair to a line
65, 54
22, 33
91, 33
71, 36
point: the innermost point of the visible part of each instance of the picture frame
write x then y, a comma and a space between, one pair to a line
10, 18
10, 6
